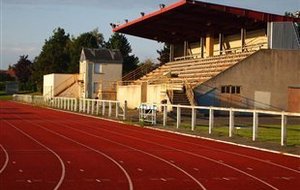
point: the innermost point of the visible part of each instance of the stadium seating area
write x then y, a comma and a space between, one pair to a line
193, 71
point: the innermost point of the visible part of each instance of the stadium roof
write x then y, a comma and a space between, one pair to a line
188, 19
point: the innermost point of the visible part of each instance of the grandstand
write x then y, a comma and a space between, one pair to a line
219, 56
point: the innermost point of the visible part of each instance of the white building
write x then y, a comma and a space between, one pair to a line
99, 71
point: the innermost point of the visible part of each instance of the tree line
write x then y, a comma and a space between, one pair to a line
61, 53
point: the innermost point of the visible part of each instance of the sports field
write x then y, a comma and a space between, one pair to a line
47, 149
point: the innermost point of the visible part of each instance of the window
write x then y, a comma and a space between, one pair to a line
223, 89
229, 89
98, 68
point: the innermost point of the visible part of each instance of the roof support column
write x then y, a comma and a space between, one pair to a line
209, 45
185, 48
221, 43
243, 36
171, 58
201, 47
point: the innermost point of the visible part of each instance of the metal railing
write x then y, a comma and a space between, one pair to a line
86, 106
231, 118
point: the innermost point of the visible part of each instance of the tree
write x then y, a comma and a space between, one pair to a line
295, 15
5, 77
23, 69
119, 41
54, 57
92, 39
164, 54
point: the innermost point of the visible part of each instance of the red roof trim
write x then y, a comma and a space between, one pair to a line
155, 13
260, 16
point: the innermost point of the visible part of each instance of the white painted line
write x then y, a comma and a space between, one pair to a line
90, 148
6, 159
168, 147
141, 151
63, 169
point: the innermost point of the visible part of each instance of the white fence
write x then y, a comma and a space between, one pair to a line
231, 112
118, 110
88, 106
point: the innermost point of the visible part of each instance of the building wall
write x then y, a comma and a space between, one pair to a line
131, 94
264, 79
111, 73
294, 99
55, 83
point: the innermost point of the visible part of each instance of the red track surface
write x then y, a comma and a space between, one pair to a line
48, 149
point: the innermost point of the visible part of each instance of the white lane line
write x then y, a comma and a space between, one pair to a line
141, 151
197, 137
186, 152
221, 150
210, 148
138, 150
6, 159
63, 169
92, 149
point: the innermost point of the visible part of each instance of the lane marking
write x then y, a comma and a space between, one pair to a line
168, 147
193, 136
63, 172
141, 151
90, 148
209, 148
6, 159
149, 154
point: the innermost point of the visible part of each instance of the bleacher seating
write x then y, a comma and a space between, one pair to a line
194, 71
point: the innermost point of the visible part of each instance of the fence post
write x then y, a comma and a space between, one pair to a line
103, 108
76, 106
117, 109
109, 108
88, 107
231, 122
255, 126
283, 129
165, 115
68, 103
125, 110
97, 107
178, 116
65, 103
93, 106
193, 118
211, 120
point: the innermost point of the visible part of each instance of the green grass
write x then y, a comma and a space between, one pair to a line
266, 133
4, 96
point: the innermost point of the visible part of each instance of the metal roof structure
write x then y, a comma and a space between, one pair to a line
189, 20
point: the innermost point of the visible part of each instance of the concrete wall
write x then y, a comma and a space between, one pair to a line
264, 79
130, 93
55, 83
294, 99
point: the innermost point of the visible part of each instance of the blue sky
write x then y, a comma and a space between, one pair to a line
25, 24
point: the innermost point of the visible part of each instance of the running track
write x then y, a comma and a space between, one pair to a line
47, 149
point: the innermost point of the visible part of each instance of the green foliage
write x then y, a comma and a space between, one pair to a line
295, 15
92, 39
119, 41
5, 77
54, 57
164, 54
23, 69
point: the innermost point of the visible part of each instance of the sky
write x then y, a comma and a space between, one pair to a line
26, 24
